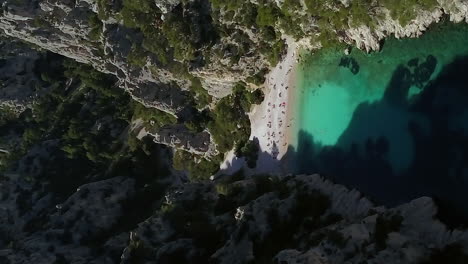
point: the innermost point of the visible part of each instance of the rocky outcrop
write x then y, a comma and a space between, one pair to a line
167, 5
369, 38
65, 27
418, 233
351, 229
36, 229
78, 30
307, 218
75, 30
178, 137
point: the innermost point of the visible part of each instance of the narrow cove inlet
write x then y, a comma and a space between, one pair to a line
234, 131
393, 124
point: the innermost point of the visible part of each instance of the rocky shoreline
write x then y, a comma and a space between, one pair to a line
369, 38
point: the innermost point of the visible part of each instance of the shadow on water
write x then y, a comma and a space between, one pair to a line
398, 149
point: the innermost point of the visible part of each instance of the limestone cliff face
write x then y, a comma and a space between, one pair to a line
73, 29
369, 38
179, 137
65, 27
229, 44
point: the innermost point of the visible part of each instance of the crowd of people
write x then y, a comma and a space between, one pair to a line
276, 114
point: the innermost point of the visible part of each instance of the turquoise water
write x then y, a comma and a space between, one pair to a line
373, 105
330, 94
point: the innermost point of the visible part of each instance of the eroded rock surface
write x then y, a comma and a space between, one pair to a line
64, 27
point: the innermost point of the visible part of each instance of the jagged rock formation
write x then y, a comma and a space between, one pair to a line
179, 137
99, 35
335, 225
34, 229
225, 44
73, 29
80, 30
296, 219
293, 219
64, 27
369, 38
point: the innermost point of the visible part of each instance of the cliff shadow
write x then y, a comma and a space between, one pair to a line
402, 147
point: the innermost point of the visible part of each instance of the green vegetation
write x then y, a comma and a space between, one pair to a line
179, 36
137, 56
104, 7
88, 119
7, 114
331, 17
202, 98
199, 168
152, 117
263, 17
96, 27
267, 15
145, 16
230, 125
176, 38
8, 153
289, 21
249, 150
338, 16
40, 22
78, 116
275, 52
406, 10
199, 121
224, 185
259, 78
231, 5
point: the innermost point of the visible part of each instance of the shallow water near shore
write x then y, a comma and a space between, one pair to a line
394, 123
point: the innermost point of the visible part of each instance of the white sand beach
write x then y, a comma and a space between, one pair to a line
270, 121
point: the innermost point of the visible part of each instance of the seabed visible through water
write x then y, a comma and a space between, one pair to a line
394, 123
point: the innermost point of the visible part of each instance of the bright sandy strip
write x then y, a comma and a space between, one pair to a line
270, 121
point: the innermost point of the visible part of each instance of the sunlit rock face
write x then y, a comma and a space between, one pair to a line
369, 38
64, 27
167, 5
74, 29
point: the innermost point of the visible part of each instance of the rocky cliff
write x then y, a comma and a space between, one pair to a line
218, 43
68, 28
297, 219
76, 29
84, 192
369, 38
